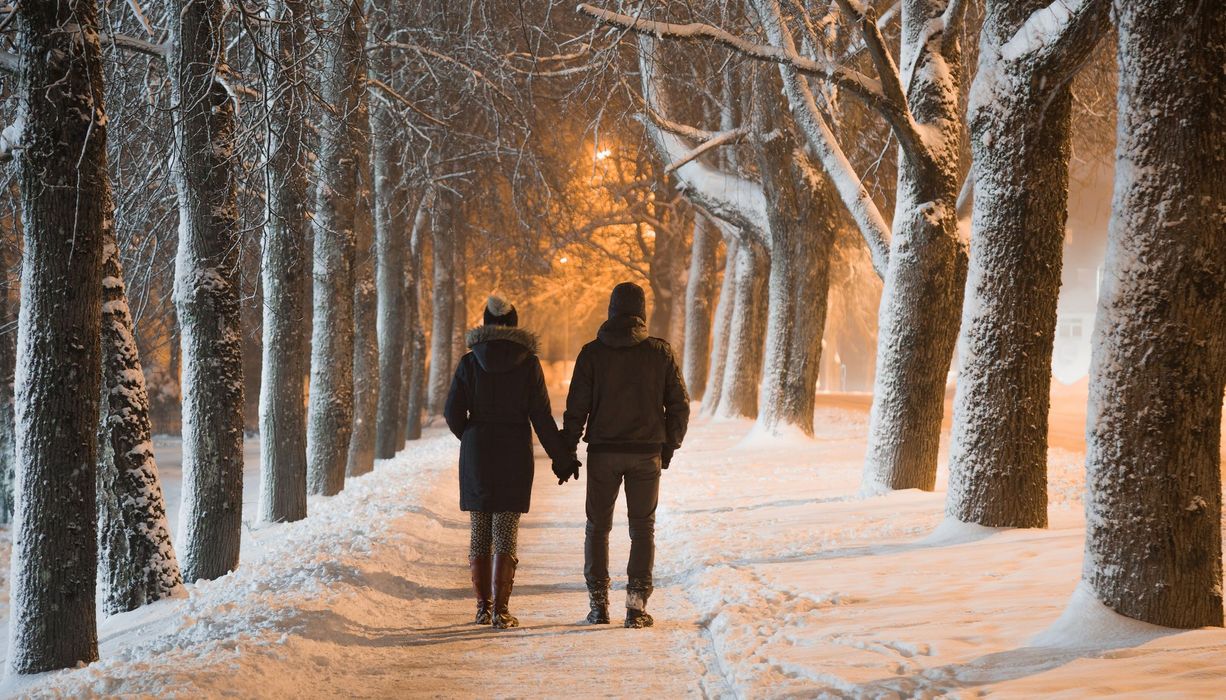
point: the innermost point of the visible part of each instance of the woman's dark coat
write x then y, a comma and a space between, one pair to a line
498, 391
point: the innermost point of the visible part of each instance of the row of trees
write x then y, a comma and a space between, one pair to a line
773, 156
335, 144
374, 158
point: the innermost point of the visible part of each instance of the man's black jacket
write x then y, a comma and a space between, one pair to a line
628, 391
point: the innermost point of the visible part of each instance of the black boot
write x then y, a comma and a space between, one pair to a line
481, 570
598, 597
504, 580
636, 606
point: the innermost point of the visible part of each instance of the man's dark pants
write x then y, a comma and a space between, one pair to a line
606, 472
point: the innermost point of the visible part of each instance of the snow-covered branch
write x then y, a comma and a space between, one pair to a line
858, 84
821, 139
727, 196
1052, 31
717, 140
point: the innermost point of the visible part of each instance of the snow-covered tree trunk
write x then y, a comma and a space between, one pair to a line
8, 367
1020, 139
922, 294
1153, 473
415, 349
721, 328
459, 319
743, 365
365, 322
801, 206
391, 239
699, 293
137, 563
330, 418
62, 171
206, 292
666, 276
442, 315
285, 274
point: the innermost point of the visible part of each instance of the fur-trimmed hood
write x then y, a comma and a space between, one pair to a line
501, 348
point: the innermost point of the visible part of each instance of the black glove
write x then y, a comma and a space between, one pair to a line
666, 456
564, 469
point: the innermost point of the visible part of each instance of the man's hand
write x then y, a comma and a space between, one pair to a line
666, 456
566, 468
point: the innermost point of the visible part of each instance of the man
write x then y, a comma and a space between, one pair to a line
629, 393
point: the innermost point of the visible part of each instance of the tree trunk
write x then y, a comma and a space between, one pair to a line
65, 202
1020, 140
330, 419
390, 241
415, 350
699, 290
137, 563
721, 330
802, 223
206, 293
1153, 478
8, 361
286, 277
443, 314
459, 322
743, 366
667, 267
365, 321
922, 294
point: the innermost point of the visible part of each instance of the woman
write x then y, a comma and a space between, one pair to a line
498, 390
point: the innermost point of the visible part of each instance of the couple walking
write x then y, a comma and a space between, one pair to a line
628, 394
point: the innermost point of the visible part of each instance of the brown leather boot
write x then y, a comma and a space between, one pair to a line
482, 568
504, 579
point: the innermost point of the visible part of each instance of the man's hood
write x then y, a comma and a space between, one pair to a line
501, 348
622, 331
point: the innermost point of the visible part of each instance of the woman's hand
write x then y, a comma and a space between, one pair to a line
564, 469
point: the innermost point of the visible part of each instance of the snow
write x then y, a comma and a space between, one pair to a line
1087, 623
774, 578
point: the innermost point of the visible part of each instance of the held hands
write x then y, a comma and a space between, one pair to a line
564, 469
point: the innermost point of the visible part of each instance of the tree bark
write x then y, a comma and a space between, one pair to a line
62, 170
721, 331
391, 238
330, 418
206, 293
137, 563
443, 315
8, 361
459, 321
802, 224
1020, 139
743, 366
699, 293
922, 294
665, 279
285, 275
1153, 477
415, 351
365, 320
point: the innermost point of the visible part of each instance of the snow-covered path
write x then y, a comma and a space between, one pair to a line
774, 580
428, 644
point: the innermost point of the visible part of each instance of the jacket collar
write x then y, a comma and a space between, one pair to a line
622, 331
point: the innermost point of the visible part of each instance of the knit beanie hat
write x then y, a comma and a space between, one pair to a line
628, 299
500, 312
